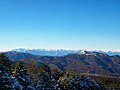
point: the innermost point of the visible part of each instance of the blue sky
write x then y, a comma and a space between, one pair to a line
67, 24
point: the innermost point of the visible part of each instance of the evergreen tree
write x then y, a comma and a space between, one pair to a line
33, 70
5, 72
47, 80
4, 61
22, 76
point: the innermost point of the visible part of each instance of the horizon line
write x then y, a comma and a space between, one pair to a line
59, 49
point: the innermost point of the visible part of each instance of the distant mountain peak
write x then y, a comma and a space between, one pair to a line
61, 52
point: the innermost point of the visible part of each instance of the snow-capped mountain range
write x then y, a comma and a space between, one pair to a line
60, 52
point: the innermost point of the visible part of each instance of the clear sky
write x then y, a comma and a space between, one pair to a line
67, 24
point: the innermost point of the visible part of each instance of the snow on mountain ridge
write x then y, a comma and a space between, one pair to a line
61, 52
24, 50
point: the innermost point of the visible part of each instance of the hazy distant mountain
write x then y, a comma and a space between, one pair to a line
59, 52
111, 53
84, 62
47, 52
20, 56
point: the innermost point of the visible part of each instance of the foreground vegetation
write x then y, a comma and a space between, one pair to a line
29, 75
109, 82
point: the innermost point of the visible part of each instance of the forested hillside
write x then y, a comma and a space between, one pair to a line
92, 63
29, 75
83, 62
